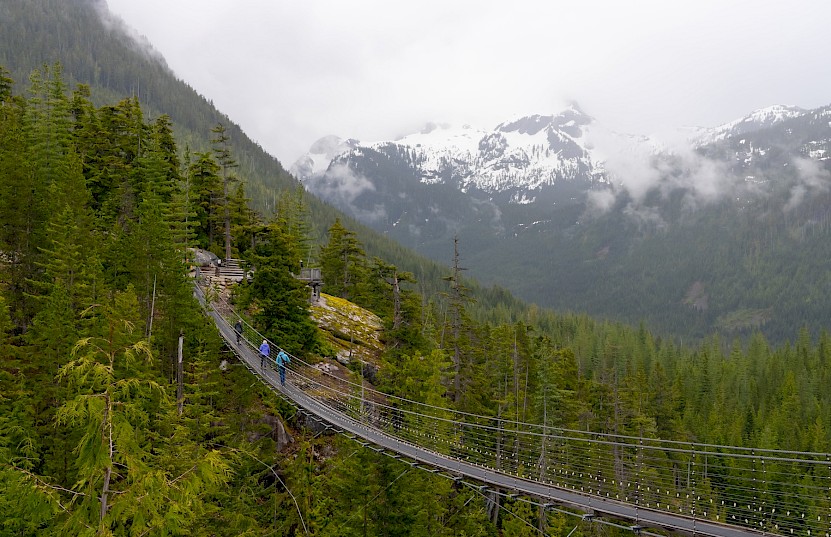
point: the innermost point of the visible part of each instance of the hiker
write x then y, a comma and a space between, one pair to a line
282, 359
238, 330
265, 350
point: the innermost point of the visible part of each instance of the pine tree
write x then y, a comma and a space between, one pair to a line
245, 223
458, 298
25, 505
342, 262
117, 182
22, 207
388, 295
205, 184
6, 85
162, 147
227, 164
279, 300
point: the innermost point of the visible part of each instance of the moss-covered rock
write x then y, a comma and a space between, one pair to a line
353, 332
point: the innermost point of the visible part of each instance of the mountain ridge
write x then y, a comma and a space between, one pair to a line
566, 213
526, 153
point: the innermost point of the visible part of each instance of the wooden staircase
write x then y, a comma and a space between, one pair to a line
228, 272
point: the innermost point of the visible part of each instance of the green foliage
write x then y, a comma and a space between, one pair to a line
342, 262
227, 164
279, 302
92, 450
98, 208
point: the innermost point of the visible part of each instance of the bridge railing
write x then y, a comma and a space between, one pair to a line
771, 491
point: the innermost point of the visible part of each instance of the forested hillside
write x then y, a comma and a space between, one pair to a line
94, 438
114, 64
94, 48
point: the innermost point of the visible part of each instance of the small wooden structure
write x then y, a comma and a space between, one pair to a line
313, 279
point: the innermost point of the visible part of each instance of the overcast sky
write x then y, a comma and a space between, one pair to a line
292, 71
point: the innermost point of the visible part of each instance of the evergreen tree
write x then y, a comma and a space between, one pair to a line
25, 504
457, 323
120, 482
6, 85
342, 261
245, 223
278, 300
204, 185
400, 307
22, 207
227, 164
117, 183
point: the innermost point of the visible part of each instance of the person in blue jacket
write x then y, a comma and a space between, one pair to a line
282, 359
265, 350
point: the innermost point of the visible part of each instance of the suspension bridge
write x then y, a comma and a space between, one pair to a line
644, 484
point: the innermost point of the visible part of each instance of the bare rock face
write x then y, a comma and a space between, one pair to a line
277, 431
203, 257
283, 436
306, 421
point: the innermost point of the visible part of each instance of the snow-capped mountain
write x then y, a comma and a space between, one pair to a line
519, 157
533, 172
320, 155
769, 139
755, 121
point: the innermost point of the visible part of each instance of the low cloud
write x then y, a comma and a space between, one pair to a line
639, 166
601, 201
490, 212
341, 186
811, 179
646, 218
375, 214
136, 41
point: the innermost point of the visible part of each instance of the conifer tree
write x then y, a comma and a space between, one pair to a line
205, 184
388, 295
26, 507
458, 297
280, 301
49, 127
293, 213
22, 207
162, 145
121, 482
342, 261
6, 85
118, 183
227, 164
245, 223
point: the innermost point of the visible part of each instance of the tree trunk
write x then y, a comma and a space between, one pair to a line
227, 221
108, 471
180, 389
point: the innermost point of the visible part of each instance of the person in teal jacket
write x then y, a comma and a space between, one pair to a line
281, 360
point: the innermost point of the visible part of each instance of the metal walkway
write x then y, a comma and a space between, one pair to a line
694, 489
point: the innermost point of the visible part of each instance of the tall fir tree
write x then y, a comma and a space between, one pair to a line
342, 262
279, 301
227, 165
204, 185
